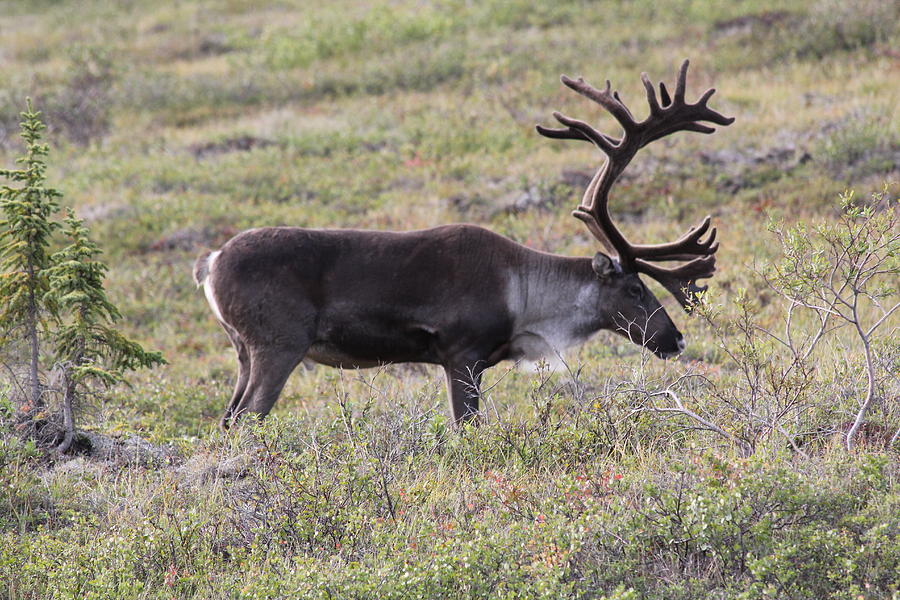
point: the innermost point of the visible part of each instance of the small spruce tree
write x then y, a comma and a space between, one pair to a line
56, 297
87, 347
26, 229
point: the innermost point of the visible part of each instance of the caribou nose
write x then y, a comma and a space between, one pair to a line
681, 343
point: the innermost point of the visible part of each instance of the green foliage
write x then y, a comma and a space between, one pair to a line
79, 107
846, 273
855, 557
26, 229
22, 501
832, 25
861, 144
834, 261
364, 506
836, 290
378, 30
62, 292
811, 31
85, 340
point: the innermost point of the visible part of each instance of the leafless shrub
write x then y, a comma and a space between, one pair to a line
834, 277
845, 275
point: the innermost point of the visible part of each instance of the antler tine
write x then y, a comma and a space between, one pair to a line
561, 134
655, 109
607, 98
579, 130
586, 213
574, 134
675, 114
619, 100
593, 210
687, 247
601, 140
664, 95
681, 84
681, 281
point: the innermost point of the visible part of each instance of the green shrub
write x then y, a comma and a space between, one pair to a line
832, 25
860, 145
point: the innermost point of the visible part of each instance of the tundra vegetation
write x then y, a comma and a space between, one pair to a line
762, 463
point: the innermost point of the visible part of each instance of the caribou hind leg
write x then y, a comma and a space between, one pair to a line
243, 375
270, 368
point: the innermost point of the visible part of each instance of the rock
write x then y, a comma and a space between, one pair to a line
746, 23
202, 468
520, 201
576, 178
737, 169
131, 449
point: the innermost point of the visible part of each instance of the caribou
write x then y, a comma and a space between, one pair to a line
458, 296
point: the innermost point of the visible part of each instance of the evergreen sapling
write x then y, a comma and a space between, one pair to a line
56, 297
26, 229
87, 346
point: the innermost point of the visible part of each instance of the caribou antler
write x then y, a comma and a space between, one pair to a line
673, 114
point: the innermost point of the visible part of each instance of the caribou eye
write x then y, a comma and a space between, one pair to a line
636, 291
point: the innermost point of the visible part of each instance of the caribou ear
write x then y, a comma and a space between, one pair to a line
604, 266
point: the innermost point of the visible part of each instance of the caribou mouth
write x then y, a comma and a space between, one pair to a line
666, 355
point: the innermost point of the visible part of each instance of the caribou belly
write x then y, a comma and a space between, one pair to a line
356, 346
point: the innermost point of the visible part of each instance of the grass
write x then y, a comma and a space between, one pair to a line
406, 115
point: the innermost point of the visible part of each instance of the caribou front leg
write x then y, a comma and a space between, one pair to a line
464, 389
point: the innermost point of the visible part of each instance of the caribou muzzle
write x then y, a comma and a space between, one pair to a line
671, 348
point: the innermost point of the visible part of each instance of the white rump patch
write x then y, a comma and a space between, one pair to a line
207, 286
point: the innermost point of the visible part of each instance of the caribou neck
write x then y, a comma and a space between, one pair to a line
558, 299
